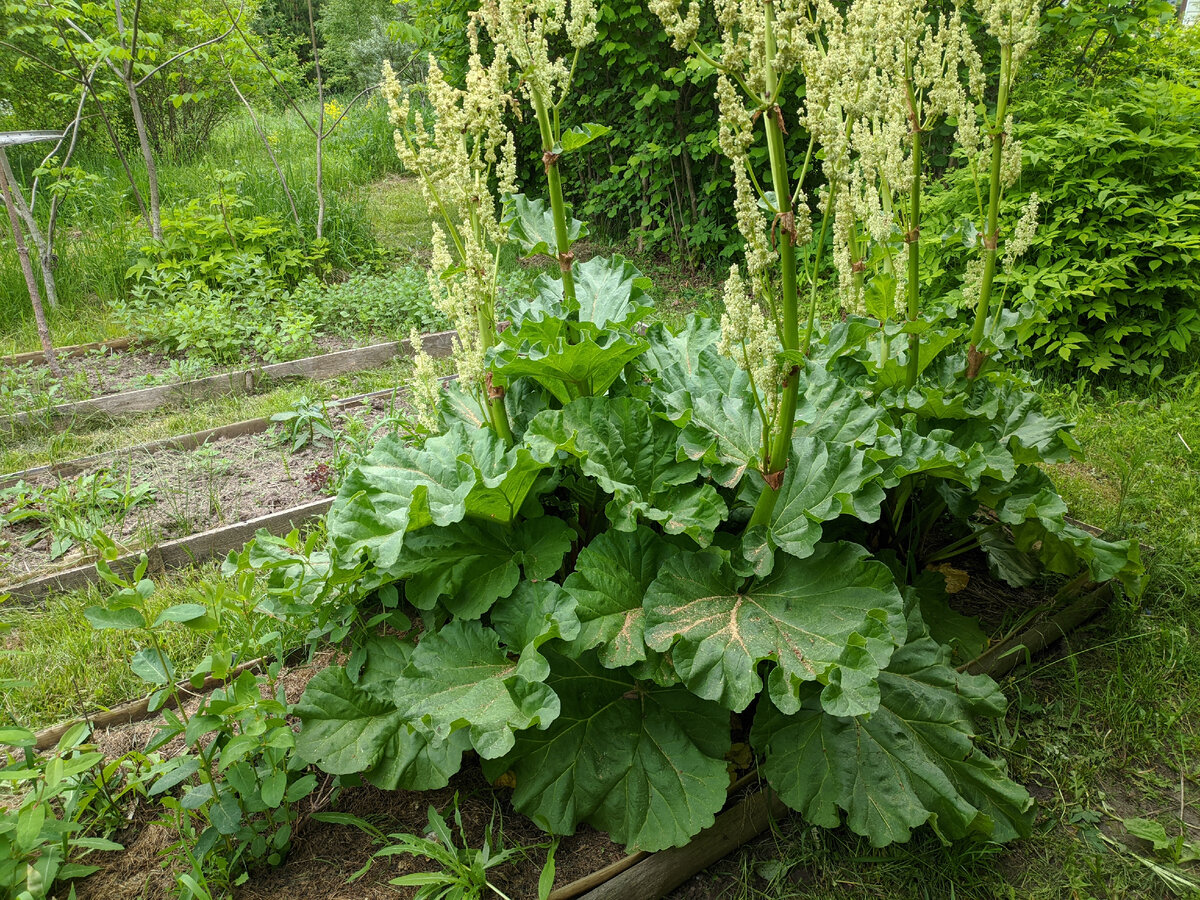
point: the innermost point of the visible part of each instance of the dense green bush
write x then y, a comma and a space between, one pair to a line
217, 284
1115, 262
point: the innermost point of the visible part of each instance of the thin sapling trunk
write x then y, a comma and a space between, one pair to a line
35, 297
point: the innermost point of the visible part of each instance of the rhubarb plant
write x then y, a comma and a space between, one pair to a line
620, 538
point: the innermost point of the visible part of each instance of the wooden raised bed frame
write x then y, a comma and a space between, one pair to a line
247, 381
114, 346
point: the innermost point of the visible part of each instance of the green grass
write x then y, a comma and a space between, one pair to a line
64, 667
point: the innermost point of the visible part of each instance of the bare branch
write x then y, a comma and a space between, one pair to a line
254, 51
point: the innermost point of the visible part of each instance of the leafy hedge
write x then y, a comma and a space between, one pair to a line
1115, 263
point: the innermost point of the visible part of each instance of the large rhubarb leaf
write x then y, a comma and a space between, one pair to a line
714, 405
834, 617
536, 612
398, 489
831, 410
643, 763
822, 481
460, 677
632, 455
910, 762
611, 291
610, 579
673, 358
581, 365
471, 565
348, 728
531, 226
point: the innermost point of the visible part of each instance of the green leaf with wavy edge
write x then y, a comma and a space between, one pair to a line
536, 612
398, 489
580, 136
902, 451
823, 481
643, 763
632, 454
531, 226
1036, 515
910, 762
831, 410
348, 728
471, 565
834, 617
462, 678
547, 303
584, 366
611, 291
674, 356
714, 407
609, 581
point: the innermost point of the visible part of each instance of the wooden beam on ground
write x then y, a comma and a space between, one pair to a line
139, 710
327, 365
1001, 659
174, 554
113, 346
659, 874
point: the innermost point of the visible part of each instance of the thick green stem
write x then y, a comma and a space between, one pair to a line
991, 235
914, 261
486, 318
558, 208
913, 238
785, 421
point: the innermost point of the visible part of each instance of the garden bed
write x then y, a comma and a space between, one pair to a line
588, 865
248, 380
206, 488
106, 370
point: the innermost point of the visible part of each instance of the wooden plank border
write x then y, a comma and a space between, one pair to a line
183, 441
114, 346
175, 554
245, 381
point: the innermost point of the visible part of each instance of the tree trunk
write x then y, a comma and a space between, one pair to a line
45, 259
139, 121
35, 296
312, 34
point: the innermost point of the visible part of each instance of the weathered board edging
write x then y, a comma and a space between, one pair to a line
180, 442
113, 346
133, 711
245, 381
174, 554
999, 660
659, 873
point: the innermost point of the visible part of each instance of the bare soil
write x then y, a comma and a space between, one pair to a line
100, 373
227, 480
323, 856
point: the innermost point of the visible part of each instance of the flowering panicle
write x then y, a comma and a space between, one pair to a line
457, 155
426, 388
1022, 235
748, 338
522, 30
